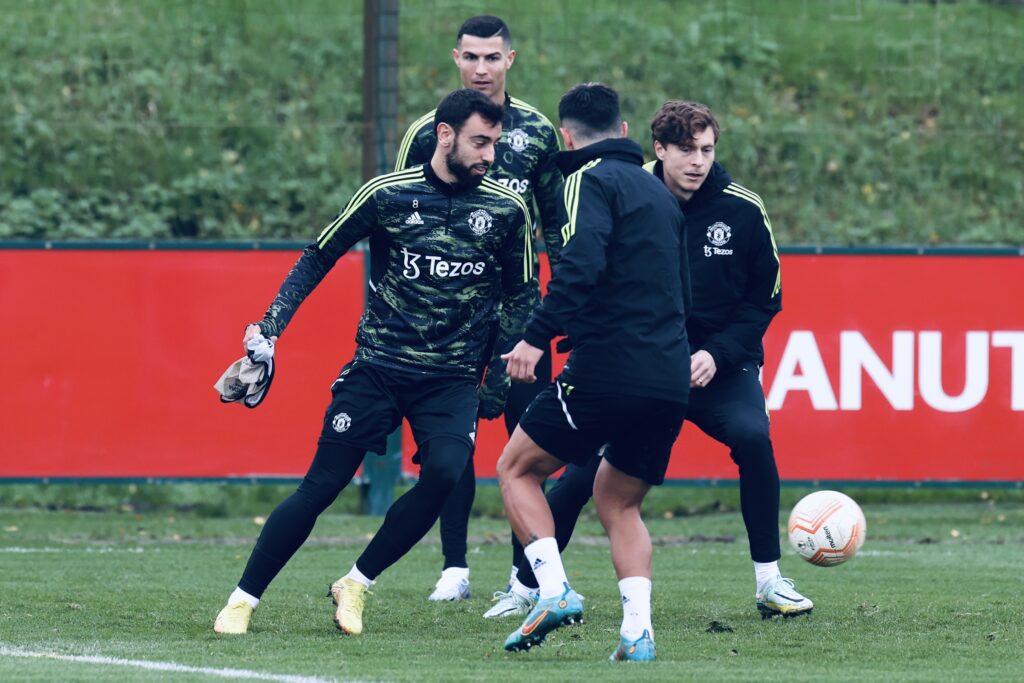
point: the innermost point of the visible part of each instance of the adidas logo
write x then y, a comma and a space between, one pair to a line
414, 219
538, 563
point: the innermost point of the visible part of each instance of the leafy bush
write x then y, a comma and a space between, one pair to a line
877, 122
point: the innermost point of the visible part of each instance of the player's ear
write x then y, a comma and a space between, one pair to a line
659, 150
625, 130
455, 55
445, 134
567, 138
511, 57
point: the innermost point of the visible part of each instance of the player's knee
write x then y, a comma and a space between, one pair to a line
752, 445
443, 464
614, 510
509, 463
316, 494
523, 458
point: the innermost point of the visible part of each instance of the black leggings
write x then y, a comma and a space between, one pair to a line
456, 511
408, 520
444, 461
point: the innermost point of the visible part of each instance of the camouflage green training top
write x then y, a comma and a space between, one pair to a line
449, 268
522, 162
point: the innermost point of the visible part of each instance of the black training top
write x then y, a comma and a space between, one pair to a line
621, 287
734, 269
450, 269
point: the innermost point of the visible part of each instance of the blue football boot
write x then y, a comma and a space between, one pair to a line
547, 615
639, 650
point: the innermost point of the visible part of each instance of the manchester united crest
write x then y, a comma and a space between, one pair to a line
518, 139
719, 234
341, 422
480, 222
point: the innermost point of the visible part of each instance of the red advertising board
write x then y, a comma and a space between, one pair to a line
879, 368
110, 359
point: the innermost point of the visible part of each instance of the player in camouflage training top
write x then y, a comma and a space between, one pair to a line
452, 278
523, 162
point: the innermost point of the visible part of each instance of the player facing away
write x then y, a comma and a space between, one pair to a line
620, 292
736, 283
452, 281
523, 162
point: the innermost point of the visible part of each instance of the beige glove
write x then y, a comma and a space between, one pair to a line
248, 379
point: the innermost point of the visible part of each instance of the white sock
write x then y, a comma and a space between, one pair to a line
513, 574
239, 595
357, 575
636, 607
764, 572
547, 567
522, 590
456, 572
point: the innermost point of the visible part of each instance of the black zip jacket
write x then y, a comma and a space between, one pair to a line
621, 286
734, 270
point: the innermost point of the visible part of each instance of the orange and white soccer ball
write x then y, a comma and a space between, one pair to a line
827, 528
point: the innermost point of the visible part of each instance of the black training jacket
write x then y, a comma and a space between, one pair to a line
734, 270
620, 289
448, 265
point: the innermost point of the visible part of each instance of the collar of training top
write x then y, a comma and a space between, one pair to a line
718, 179
623, 149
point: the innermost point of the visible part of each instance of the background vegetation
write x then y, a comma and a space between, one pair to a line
859, 121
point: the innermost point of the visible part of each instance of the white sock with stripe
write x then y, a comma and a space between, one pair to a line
547, 567
636, 607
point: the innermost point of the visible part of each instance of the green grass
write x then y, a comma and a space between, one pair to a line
934, 594
867, 122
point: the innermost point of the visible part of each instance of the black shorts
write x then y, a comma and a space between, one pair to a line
572, 424
368, 402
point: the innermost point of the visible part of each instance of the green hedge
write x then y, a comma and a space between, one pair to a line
223, 500
875, 122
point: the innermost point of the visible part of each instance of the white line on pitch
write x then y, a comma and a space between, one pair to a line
163, 666
18, 550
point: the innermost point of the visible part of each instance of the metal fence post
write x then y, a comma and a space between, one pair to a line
380, 117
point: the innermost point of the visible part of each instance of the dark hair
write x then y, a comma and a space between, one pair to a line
485, 26
457, 106
677, 122
590, 110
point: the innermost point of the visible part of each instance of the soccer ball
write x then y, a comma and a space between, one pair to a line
826, 528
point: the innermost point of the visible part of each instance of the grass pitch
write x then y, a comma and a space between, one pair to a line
935, 594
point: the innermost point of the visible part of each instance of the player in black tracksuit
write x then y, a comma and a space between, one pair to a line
619, 292
736, 285
451, 278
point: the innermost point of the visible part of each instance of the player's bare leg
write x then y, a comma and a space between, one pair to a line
522, 468
618, 497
